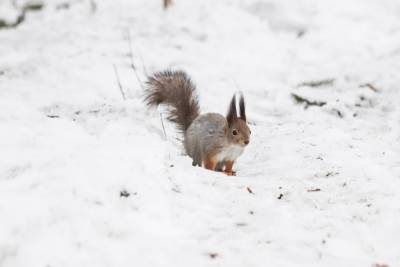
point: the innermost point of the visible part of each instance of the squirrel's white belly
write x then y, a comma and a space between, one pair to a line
231, 153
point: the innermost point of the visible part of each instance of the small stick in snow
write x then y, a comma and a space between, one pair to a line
280, 196
338, 112
143, 65
331, 173
33, 7
119, 82
249, 190
317, 83
370, 86
314, 190
21, 17
53, 116
300, 100
132, 64
162, 124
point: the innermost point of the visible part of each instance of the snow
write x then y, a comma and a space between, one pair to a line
315, 187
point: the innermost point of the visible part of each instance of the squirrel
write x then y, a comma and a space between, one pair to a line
210, 139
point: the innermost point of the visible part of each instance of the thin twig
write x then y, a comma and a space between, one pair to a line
143, 65
139, 54
21, 17
132, 64
319, 83
130, 50
370, 86
314, 190
300, 99
249, 190
119, 82
162, 124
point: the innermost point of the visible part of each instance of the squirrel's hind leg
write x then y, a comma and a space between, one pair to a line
210, 163
196, 162
195, 154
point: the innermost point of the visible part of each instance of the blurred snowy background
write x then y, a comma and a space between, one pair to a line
87, 177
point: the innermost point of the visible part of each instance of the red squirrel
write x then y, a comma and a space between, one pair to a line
210, 139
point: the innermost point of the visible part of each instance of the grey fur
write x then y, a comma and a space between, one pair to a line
175, 89
205, 136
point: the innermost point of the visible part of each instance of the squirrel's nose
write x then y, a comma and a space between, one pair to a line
246, 142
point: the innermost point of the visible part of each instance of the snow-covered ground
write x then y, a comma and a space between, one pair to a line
316, 187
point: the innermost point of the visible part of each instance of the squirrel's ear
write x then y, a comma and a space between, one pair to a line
232, 115
242, 107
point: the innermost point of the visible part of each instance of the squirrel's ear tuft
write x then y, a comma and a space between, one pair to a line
242, 107
232, 115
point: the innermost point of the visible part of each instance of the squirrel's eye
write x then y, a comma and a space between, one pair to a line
234, 132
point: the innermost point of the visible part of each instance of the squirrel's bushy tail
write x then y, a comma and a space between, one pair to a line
175, 89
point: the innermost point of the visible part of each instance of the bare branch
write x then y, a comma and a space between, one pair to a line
326, 82
143, 65
119, 82
132, 63
162, 124
370, 86
300, 100
29, 7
